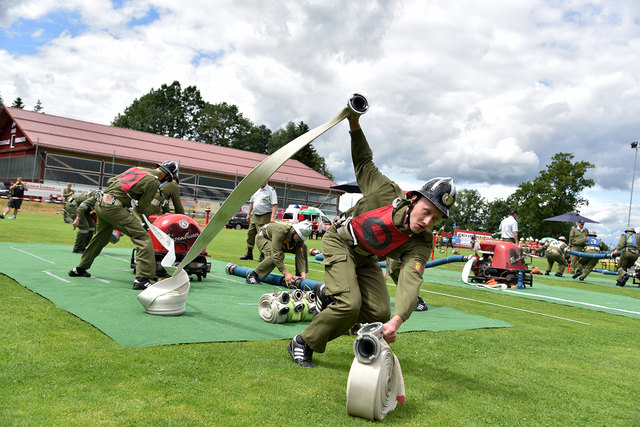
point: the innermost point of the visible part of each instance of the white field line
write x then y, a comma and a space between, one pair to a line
115, 257
57, 277
99, 279
33, 255
574, 302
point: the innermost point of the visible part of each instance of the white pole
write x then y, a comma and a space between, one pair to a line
633, 145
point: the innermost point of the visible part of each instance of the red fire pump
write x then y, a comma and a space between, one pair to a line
502, 262
184, 230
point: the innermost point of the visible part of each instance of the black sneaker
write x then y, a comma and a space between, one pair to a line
78, 251
141, 283
421, 306
253, 278
301, 353
560, 275
581, 279
577, 274
2, 216
261, 257
79, 272
623, 281
546, 273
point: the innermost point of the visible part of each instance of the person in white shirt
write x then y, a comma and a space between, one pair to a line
264, 207
509, 227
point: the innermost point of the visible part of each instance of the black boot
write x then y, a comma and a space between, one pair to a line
261, 257
248, 255
577, 274
623, 281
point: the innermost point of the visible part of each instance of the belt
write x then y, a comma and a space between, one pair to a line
108, 199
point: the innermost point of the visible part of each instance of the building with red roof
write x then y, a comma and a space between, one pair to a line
53, 150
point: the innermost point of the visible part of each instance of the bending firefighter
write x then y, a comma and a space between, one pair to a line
554, 252
84, 221
274, 240
140, 184
385, 222
628, 250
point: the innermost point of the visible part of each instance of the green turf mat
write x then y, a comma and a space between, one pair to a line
600, 301
219, 308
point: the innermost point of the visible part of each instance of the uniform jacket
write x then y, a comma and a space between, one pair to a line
577, 237
160, 203
625, 241
143, 191
378, 191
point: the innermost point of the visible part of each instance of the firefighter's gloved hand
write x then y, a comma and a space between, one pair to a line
289, 279
75, 223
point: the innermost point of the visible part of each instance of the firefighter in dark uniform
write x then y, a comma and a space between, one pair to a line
15, 202
554, 252
629, 252
577, 242
274, 240
84, 221
385, 222
140, 184
594, 246
160, 204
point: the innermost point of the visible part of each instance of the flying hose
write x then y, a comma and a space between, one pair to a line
375, 384
357, 104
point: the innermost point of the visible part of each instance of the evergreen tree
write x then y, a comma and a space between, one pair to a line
18, 103
38, 107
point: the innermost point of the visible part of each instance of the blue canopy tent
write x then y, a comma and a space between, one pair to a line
570, 217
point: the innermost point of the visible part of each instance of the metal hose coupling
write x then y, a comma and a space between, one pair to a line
230, 268
358, 104
367, 345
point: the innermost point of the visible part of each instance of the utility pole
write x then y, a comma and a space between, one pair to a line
634, 145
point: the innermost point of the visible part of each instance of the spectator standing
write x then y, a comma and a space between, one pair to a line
17, 195
509, 227
264, 207
577, 242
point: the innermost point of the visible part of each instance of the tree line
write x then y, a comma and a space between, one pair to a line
183, 113
17, 103
554, 191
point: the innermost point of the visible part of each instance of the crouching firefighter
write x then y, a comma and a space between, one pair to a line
274, 240
385, 222
112, 209
85, 221
629, 253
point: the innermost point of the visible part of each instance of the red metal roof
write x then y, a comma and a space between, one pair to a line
92, 138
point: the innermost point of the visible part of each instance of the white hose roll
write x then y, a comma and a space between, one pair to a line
271, 310
375, 388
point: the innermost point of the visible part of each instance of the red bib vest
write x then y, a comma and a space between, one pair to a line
376, 232
130, 178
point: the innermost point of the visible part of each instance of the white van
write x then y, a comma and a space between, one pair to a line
292, 215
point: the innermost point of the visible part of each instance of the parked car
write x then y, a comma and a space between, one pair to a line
239, 221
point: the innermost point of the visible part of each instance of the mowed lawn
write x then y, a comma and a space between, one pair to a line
56, 369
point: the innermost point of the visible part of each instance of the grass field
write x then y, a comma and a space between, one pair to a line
56, 369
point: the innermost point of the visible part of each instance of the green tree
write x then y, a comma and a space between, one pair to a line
168, 111
38, 107
496, 210
468, 211
307, 155
555, 191
1, 102
223, 124
18, 103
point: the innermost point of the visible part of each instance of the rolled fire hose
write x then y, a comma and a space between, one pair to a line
287, 306
375, 384
356, 105
166, 297
589, 255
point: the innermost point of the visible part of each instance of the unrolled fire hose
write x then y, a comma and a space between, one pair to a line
179, 280
590, 255
272, 279
375, 384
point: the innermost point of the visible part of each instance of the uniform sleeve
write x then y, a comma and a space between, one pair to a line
274, 196
621, 243
175, 199
409, 280
368, 176
302, 261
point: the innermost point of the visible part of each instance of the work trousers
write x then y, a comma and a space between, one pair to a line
587, 265
554, 256
576, 261
110, 217
357, 284
627, 259
256, 223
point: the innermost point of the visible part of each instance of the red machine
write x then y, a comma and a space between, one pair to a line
502, 262
184, 231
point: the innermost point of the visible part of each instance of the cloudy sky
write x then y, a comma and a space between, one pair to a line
484, 91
